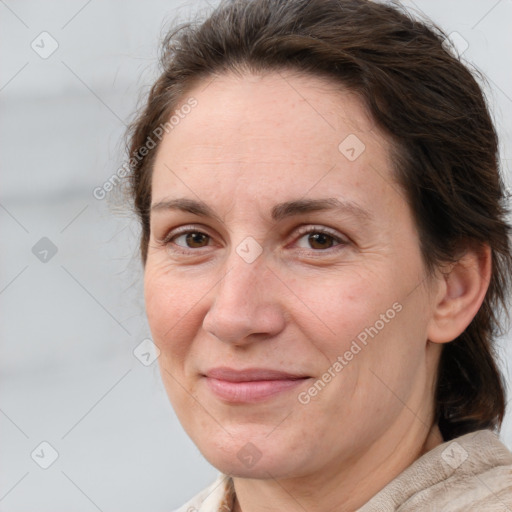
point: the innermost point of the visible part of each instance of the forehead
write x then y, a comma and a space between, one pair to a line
293, 132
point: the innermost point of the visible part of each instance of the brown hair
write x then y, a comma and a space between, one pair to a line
422, 96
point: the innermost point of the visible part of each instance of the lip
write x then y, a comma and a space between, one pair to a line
250, 385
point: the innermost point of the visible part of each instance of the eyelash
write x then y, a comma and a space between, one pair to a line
307, 230
302, 231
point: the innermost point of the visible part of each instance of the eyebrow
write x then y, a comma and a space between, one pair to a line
301, 206
279, 211
186, 205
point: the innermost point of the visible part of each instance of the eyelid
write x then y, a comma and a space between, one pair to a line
298, 233
313, 228
183, 230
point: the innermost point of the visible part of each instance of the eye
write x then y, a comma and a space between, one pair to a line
190, 240
319, 240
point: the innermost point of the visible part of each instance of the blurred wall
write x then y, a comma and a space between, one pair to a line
77, 394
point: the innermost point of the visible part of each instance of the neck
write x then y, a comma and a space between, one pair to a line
346, 489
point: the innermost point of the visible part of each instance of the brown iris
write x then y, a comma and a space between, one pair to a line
196, 239
320, 241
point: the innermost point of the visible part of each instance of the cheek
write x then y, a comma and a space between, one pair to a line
172, 307
336, 307
172, 312
363, 319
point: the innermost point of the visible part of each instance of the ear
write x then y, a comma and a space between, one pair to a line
460, 293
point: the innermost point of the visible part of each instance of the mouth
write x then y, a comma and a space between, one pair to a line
250, 385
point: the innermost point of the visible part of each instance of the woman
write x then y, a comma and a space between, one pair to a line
325, 255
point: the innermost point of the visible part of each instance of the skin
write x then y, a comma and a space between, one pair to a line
251, 142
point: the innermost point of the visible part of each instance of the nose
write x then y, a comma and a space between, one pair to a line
245, 307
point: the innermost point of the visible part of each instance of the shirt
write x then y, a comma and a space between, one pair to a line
472, 473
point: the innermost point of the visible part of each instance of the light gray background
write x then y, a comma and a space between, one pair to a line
69, 325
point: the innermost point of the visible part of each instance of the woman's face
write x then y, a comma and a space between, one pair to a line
284, 283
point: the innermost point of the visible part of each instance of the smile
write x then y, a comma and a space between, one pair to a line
250, 386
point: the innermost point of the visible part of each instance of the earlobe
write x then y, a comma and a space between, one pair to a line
460, 295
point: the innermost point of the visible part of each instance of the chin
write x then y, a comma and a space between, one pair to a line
251, 454
262, 468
